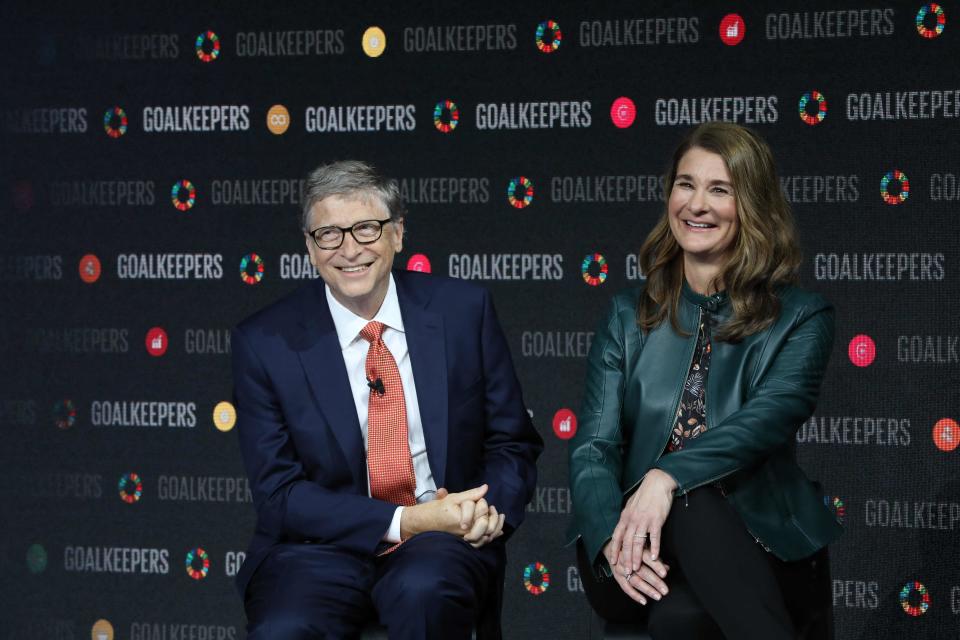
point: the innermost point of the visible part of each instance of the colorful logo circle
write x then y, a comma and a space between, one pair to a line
64, 414
419, 262
862, 350
36, 558
907, 599
224, 416
102, 630
594, 280
836, 505
183, 195
946, 434
278, 119
156, 342
623, 112
732, 29
554, 36
374, 42
115, 122
520, 192
536, 578
130, 488
895, 176
198, 563
821, 108
446, 115
257, 262
940, 20
89, 268
565, 424
207, 46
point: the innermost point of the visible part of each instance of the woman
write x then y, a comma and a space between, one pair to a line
696, 385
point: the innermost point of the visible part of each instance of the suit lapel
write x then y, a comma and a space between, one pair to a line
425, 340
326, 372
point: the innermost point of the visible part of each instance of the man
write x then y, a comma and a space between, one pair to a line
384, 433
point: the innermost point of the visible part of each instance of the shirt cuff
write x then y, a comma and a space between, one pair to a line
393, 533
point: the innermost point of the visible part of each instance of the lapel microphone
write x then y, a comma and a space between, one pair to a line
377, 385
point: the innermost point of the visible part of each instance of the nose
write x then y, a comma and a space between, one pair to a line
350, 246
698, 201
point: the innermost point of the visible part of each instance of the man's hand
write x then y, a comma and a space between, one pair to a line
648, 581
464, 514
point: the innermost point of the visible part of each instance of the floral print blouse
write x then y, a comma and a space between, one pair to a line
691, 413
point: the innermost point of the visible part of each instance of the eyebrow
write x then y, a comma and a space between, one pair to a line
687, 176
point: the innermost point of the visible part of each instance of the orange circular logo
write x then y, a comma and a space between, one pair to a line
946, 434
278, 119
89, 268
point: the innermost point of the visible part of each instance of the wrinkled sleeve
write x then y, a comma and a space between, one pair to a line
595, 452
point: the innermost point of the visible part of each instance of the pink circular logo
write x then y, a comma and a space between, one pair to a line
623, 112
565, 424
157, 341
732, 29
419, 262
862, 350
946, 434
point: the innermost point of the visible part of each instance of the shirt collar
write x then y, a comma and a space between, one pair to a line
349, 325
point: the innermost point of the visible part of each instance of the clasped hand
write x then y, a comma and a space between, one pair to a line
465, 514
634, 550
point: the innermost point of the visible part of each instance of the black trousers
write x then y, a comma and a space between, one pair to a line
722, 583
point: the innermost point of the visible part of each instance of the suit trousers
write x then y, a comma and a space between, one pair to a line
432, 586
722, 583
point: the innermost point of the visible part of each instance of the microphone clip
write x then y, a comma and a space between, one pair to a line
377, 385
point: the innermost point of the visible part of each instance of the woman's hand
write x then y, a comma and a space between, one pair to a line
647, 581
641, 521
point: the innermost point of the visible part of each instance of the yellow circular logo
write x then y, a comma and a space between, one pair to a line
374, 42
102, 630
224, 416
278, 119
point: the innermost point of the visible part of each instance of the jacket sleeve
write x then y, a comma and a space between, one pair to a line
289, 506
771, 414
511, 443
595, 451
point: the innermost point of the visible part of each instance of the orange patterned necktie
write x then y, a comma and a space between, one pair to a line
388, 450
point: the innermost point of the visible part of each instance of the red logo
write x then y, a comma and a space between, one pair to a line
22, 196
862, 350
157, 341
946, 434
732, 29
419, 262
623, 112
89, 268
565, 424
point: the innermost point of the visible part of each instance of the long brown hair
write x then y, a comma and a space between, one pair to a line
764, 256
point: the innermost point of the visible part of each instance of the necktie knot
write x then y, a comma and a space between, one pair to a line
373, 331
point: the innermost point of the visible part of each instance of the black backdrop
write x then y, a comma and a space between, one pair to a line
115, 468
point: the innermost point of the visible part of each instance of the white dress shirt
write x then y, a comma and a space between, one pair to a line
354, 349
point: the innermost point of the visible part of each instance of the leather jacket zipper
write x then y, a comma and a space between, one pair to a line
679, 395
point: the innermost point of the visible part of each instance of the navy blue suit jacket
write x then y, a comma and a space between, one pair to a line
300, 437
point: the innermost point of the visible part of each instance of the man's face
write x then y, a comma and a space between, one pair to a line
358, 274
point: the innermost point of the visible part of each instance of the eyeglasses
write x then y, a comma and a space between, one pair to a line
364, 232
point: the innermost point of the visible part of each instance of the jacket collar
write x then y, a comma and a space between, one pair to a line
712, 303
326, 373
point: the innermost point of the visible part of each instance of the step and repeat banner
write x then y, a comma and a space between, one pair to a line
151, 176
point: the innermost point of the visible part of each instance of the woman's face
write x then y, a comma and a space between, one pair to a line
702, 208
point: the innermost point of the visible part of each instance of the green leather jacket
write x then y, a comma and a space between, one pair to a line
759, 392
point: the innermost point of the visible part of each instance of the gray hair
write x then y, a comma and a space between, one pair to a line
350, 178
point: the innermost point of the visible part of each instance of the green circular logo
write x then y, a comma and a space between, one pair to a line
36, 558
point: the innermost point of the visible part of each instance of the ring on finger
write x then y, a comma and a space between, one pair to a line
640, 537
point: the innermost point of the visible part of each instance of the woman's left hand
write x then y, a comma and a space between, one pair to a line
642, 519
